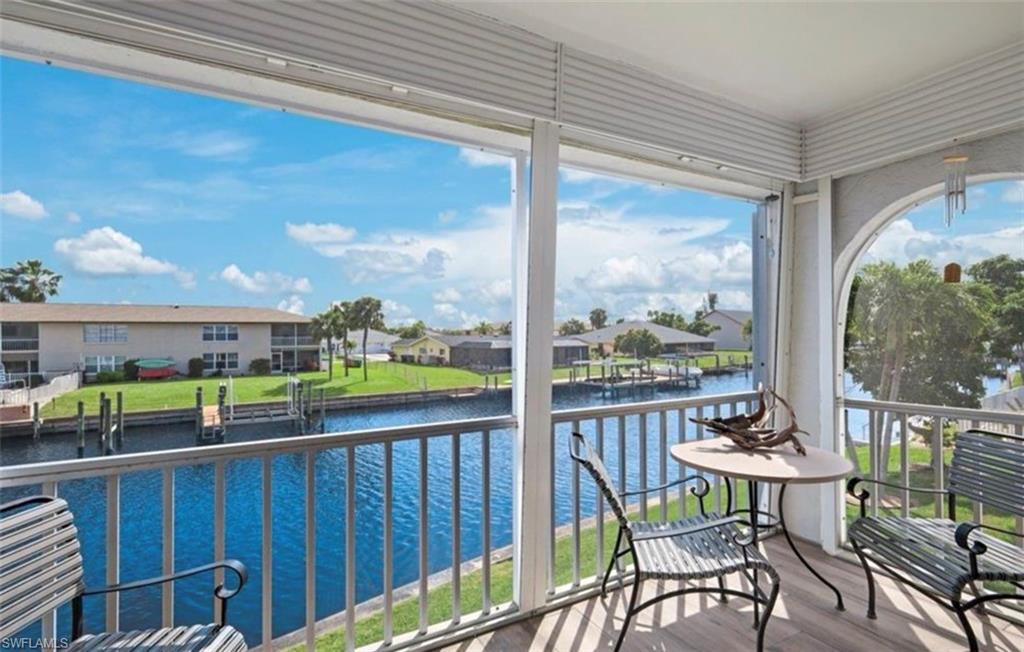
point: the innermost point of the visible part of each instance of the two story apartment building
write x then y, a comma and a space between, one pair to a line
44, 338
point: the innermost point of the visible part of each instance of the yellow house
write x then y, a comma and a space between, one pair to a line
422, 350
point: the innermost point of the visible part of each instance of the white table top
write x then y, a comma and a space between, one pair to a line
721, 456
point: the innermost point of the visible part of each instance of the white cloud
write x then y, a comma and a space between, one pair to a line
448, 295
73, 217
397, 313
1014, 193
318, 235
293, 304
452, 316
478, 158
265, 282
209, 144
902, 242
19, 204
498, 291
447, 217
108, 252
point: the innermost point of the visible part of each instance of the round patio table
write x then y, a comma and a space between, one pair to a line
782, 466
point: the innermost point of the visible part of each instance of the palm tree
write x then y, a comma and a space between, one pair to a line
343, 309
327, 326
366, 313
598, 318
483, 328
29, 282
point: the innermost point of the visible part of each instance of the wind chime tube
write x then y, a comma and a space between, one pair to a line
956, 186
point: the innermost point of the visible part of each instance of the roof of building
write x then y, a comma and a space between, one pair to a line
738, 316
664, 333
135, 313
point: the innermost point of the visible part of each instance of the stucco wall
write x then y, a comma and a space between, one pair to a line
729, 334
62, 346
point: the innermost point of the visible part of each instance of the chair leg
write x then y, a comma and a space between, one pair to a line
870, 577
629, 612
767, 612
721, 584
612, 563
972, 640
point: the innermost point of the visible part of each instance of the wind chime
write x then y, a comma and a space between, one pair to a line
956, 185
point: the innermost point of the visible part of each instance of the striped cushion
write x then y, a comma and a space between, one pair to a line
924, 549
186, 638
710, 553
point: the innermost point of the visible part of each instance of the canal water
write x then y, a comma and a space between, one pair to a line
141, 507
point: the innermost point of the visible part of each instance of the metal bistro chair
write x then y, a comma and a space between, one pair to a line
695, 548
41, 569
939, 557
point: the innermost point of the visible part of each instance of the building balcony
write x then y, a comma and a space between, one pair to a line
19, 344
285, 341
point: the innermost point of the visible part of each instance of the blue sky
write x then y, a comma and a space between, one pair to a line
146, 195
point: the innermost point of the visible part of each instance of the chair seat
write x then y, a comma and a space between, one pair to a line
709, 553
186, 638
924, 549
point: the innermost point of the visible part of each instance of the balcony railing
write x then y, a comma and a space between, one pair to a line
367, 518
292, 340
911, 445
19, 344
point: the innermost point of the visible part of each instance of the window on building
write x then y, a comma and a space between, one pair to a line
97, 363
220, 361
105, 333
220, 333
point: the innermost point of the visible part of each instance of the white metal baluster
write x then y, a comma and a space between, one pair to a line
551, 525
575, 516
718, 481
663, 462
167, 535
979, 511
599, 511
113, 550
456, 528
218, 531
267, 554
905, 464
938, 468
622, 455
680, 438
485, 502
350, 548
49, 622
643, 464
424, 566
311, 551
388, 560
873, 455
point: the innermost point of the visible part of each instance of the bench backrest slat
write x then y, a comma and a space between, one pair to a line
40, 562
989, 469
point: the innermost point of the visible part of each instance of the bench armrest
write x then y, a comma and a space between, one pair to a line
220, 592
700, 490
862, 495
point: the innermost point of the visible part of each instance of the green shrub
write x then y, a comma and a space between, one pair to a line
131, 370
195, 367
259, 367
110, 377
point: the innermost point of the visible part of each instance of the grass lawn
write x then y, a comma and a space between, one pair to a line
180, 393
406, 612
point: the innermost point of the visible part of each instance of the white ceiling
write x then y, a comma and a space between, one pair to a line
795, 61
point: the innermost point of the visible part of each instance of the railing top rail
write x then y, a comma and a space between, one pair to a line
623, 409
26, 474
915, 409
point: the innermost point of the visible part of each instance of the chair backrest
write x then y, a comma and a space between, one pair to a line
40, 561
580, 450
989, 468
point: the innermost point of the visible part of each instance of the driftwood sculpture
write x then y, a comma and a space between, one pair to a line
752, 431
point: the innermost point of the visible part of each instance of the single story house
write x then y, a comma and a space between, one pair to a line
376, 342
730, 328
479, 351
602, 340
49, 337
